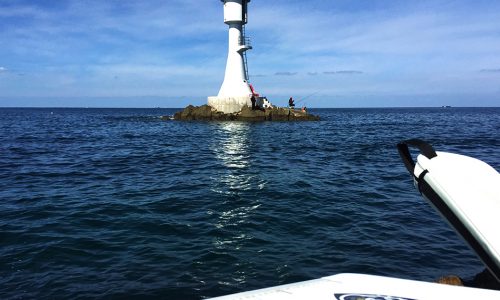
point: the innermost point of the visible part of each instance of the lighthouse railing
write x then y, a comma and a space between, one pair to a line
245, 41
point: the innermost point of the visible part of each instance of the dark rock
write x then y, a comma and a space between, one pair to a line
207, 113
191, 113
299, 115
484, 280
247, 114
279, 114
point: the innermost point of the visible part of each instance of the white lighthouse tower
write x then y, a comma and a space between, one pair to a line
235, 91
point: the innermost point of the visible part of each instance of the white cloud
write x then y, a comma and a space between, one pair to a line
490, 70
179, 47
377, 38
410, 49
343, 72
285, 73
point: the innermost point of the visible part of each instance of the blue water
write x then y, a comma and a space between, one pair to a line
116, 203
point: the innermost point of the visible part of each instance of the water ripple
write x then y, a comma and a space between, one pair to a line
103, 203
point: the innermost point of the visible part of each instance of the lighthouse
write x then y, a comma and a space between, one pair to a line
235, 91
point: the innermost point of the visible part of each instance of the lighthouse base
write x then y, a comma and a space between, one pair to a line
229, 105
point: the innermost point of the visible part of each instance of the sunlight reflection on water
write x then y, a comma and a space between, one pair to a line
232, 147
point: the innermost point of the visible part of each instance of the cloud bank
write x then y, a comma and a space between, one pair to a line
490, 70
343, 72
285, 73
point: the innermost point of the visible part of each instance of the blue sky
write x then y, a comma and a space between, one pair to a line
171, 53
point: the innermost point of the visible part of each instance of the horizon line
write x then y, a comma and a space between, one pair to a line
159, 107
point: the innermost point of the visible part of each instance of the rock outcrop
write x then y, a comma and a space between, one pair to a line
200, 113
207, 113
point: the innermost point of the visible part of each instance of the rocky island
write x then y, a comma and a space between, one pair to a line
208, 113
237, 99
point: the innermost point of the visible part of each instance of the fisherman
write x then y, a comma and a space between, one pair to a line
253, 102
304, 109
291, 104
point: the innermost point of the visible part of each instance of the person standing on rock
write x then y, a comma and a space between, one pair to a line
291, 104
253, 102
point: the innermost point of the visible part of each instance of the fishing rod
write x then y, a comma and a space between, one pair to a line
304, 98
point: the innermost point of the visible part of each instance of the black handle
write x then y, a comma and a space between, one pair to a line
404, 151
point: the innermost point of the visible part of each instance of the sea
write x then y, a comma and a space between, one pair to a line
122, 204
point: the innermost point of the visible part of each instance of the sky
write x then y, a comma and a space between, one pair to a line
324, 53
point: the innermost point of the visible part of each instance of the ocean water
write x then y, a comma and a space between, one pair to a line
117, 203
